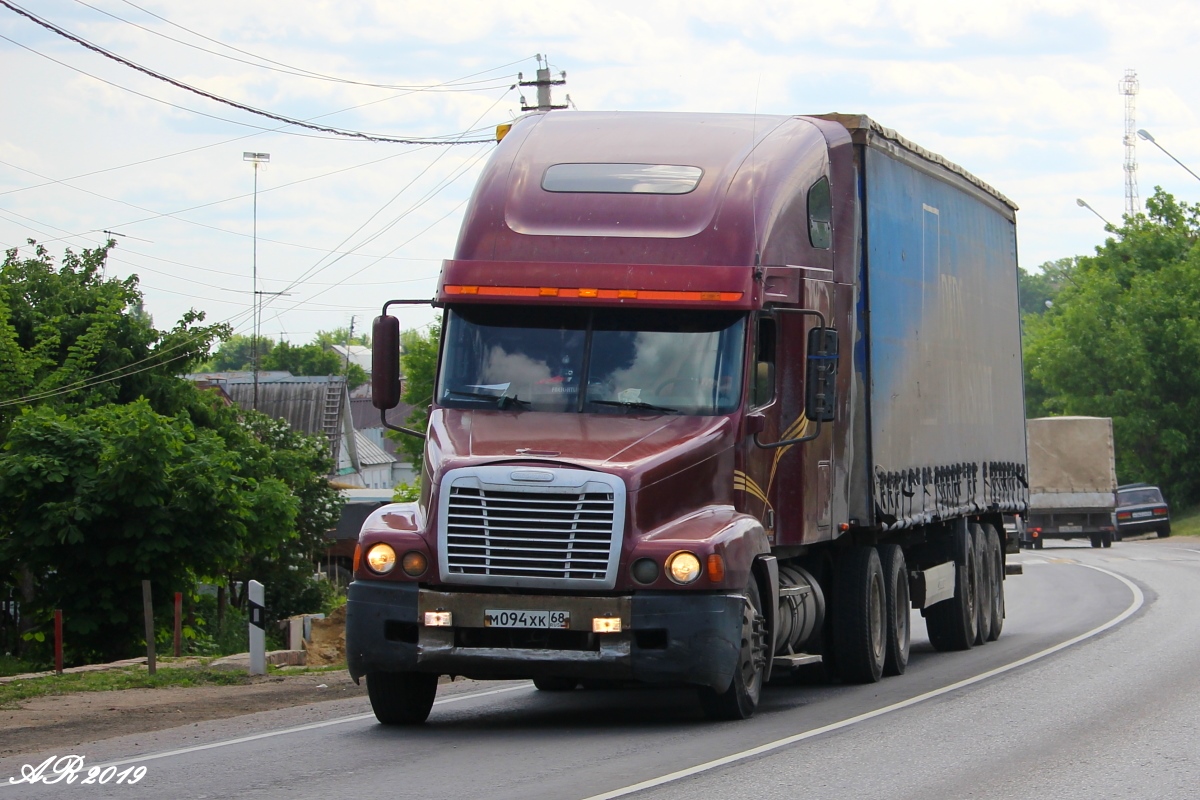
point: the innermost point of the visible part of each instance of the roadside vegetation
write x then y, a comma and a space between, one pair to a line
1117, 334
115, 470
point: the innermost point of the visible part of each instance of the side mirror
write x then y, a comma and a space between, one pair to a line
385, 362
820, 385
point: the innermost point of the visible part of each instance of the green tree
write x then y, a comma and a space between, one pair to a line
236, 353
74, 339
114, 470
1123, 341
98, 501
1039, 288
418, 364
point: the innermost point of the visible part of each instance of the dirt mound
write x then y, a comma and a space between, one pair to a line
327, 644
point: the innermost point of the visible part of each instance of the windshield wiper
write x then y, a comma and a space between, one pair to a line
638, 405
502, 400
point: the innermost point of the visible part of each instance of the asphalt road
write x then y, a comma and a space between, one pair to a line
1093, 691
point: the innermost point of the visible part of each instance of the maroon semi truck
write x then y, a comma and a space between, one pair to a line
719, 398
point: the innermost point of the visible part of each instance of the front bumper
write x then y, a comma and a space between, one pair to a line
666, 637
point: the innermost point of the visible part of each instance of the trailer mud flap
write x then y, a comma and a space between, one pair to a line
932, 585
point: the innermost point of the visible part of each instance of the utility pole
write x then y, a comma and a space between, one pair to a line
256, 159
543, 84
1129, 87
349, 341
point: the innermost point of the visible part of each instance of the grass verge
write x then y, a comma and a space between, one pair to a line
126, 678
1186, 523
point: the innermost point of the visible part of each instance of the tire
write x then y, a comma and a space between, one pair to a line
401, 698
741, 698
1037, 544
899, 633
1106, 540
996, 554
1164, 531
952, 623
1096, 539
987, 579
860, 616
555, 684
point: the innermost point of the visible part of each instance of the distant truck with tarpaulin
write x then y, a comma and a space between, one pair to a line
719, 398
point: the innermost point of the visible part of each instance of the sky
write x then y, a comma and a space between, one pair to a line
144, 142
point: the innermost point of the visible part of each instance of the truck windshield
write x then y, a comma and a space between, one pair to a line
630, 361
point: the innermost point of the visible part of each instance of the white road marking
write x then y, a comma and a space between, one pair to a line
299, 728
1138, 601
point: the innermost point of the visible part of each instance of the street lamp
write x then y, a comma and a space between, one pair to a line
256, 159
1144, 134
1079, 201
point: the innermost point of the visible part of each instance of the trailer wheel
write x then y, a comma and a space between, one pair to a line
860, 616
555, 684
987, 580
952, 623
741, 698
996, 554
899, 634
401, 698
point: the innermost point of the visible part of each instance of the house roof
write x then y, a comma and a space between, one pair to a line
370, 453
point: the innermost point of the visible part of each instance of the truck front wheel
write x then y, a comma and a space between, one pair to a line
401, 698
741, 698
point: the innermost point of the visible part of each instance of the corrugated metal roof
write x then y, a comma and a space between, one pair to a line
370, 453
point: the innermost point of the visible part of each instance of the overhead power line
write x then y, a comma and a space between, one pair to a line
460, 85
370, 137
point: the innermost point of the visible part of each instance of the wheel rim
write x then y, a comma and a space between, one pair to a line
877, 616
752, 659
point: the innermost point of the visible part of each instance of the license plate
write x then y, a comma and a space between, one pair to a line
1139, 514
1070, 528
522, 618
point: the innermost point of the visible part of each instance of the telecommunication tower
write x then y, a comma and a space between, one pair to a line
1129, 87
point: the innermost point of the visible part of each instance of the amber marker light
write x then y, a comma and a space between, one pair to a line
716, 568
357, 556
414, 563
381, 558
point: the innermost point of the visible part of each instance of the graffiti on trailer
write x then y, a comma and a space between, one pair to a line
926, 493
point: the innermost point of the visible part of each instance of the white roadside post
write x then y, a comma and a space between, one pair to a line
258, 636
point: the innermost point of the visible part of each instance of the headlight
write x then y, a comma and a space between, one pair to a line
683, 567
381, 558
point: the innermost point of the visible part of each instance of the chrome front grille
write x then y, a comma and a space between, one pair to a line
563, 529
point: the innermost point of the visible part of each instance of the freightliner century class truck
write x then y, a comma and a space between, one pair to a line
719, 398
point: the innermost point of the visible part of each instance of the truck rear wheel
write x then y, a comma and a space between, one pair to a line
741, 698
996, 555
860, 616
401, 698
987, 579
899, 635
1096, 539
952, 623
